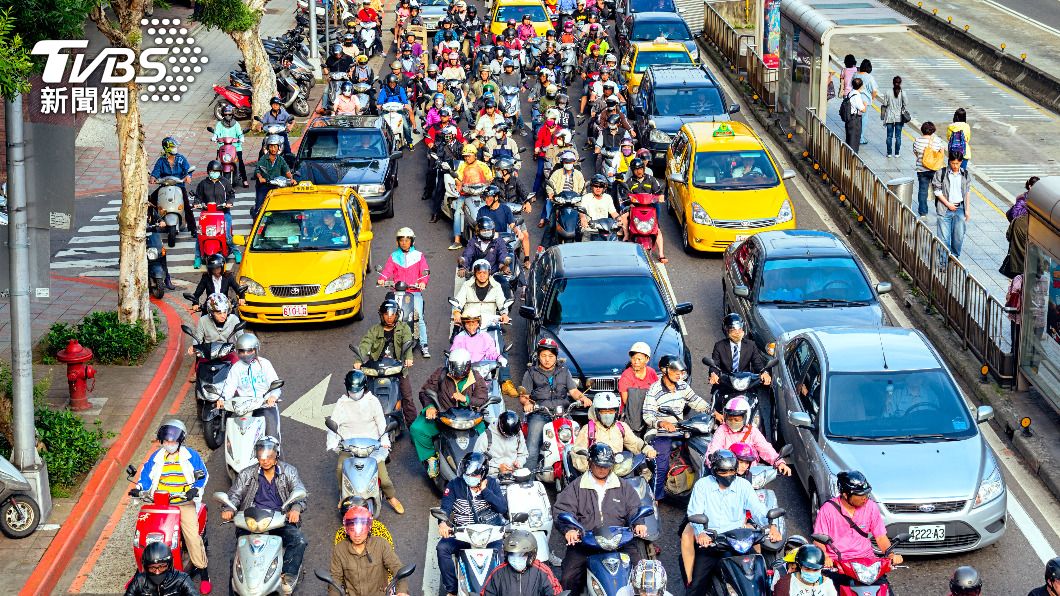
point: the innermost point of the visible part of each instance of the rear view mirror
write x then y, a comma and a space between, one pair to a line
390, 426
641, 513
733, 108
683, 308
677, 178
775, 512
698, 518
903, 537
741, 291
800, 420
528, 312
521, 518
883, 287
787, 174
439, 514
187, 330
983, 414
331, 424
276, 384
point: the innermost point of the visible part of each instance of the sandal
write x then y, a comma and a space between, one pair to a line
664, 260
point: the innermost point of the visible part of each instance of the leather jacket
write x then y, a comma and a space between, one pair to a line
176, 583
245, 486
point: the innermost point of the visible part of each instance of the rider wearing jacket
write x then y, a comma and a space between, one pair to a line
674, 392
409, 265
217, 281
483, 291
456, 384
1052, 580
521, 574
361, 562
604, 427
738, 429
503, 442
215, 189
479, 345
387, 339
850, 519
159, 578
736, 353
219, 325
487, 245
252, 376
545, 384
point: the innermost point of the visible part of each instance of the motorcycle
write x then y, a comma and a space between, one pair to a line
630, 467
456, 436
259, 555
868, 575
393, 116
367, 34
527, 495
510, 105
228, 156
603, 230
244, 424
171, 206
384, 382
607, 572
473, 201
689, 452
747, 384
566, 217
474, 564
335, 81
448, 179
364, 99
213, 370
391, 588
556, 443
360, 471
19, 512
569, 62
156, 270
741, 571
213, 232
159, 521
237, 97
399, 292
643, 223
761, 476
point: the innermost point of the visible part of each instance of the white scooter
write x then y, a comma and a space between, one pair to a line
367, 33
244, 424
171, 206
360, 472
527, 495
259, 555
393, 116
474, 564
510, 104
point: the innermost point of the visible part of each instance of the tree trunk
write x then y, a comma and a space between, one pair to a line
262, 77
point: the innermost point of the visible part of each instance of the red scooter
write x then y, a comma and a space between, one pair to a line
228, 156
213, 230
159, 521
556, 442
643, 223
868, 574
237, 97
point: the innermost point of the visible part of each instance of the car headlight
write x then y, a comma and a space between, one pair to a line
253, 287
658, 136
371, 189
699, 215
785, 214
992, 486
341, 283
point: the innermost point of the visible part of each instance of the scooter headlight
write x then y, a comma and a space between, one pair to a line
152, 254
741, 384
742, 546
645, 226
272, 569
867, 574
565, 434
226, 158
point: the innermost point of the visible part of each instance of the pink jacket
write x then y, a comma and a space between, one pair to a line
410, 267
725, 438
481, 346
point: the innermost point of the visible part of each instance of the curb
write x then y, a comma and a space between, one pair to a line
106, 474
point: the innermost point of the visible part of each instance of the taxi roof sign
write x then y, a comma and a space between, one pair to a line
305, 186
723, 130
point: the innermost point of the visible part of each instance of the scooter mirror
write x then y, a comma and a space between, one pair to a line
191, 170
209, 129
454, 303
296, 496
772, 362
200, 474
408, 346
698, 518
709, 362
210, 388
325, 577
258, 119
276, 384
668, 411
496, 399
438, 514
903, 537
822, 538
786, 450
775, 512
390, 426
243, 288
521, 518
187, 330
222, 498
331, 424
405, 571
641, 513
581, 452
130, 471
378, 268
189, 297
240, 326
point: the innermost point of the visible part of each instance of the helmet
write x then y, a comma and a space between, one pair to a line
510, 33
391, 79
172, 430
472, 11
626, 141
743, 452
449, 131
636, 164
520, 542
722, 460
347, 39
511, 22
966, 580
568, 25
405, 232
551, 60
273, 140
566, 135
336, 48
562, 99
448, 112
487, 228
669, 361
602, 455
470, 312
347, 88
357, 521
475, 464
491, 191
598, 180
551, 90
613, 120
169, 145
389, 306
459, 363
355, 381
469, 150
228, 111
610, 58
567, 157
432, 67
218, 302
547, 343
509, 63
792, 545
155, 553
853, 482
213, 166
445, 21
640, 348
501, 127
247, 341
481, 265
1052, 569
594, 47
812, 557
648, 578
606, 400
362, 59
267, 443
406, 47
489, 103
506, 163
508, 424
275, 100
732, 321
644, 154
737, 406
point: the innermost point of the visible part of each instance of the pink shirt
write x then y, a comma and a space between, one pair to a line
724, 438
844, 538
410, 267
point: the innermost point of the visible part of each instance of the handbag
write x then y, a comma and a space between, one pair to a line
905, 112
1006, 268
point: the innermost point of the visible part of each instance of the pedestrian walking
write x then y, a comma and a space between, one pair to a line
894, 113
850, 67
959, 136
1019, 218
930, 153
952, 186
869, 88
851, 111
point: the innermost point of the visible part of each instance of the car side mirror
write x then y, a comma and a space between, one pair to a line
677, 178
800, 420
528, 312
883, 287
741, 291
787, 174
983, 414
365, 236
733, 108
683, 308
396, 155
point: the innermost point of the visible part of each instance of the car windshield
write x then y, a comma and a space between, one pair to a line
914, 406
343, 144
672, 30
826, 281
301, 230
434, 3
688, 101
651, 58
536, 12
652, 6
595, 300
734, 170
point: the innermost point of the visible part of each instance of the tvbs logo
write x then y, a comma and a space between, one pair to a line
117, 64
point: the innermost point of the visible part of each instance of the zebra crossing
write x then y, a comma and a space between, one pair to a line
93, 248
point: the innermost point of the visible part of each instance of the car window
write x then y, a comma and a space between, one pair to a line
353, 208
919, 405
652, 6
795, 358
651, 58
746, 259
537, 282
536, 12
343, 144
688, 101
671, 30
734, 170
826, 281
808, 386
578, 300
301, 230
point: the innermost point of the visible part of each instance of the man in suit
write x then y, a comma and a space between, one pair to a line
217, 281
736, 354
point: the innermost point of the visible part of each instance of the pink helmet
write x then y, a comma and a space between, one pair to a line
738, 406
743, 452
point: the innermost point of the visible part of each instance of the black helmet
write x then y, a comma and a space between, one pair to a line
355, 381
348, 38
487, 228
508, 424
227, 111
794, 542
336, 48
215, 261
458, 365
475, 464
853, 482
391, 79
506, 163
347, 87
601, 454
489, 103
155, 553
213, 166
732, 321
1052, 569
672, 362
389, 306
520, 542
598, 180
613, 120
491, 191
472, 11
636, 164
966, 580
812, 557
722, 460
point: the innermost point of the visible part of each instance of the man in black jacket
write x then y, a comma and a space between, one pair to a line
216, 189
582, 499
217, 281
521, 573
159, 578
736, 354
1052, 580
473, 497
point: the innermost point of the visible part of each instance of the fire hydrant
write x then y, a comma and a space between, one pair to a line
78, 372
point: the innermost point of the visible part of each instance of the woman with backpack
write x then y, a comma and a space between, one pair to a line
894, 114
959, 136
930, 153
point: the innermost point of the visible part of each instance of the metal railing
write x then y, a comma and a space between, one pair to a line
721, 34
743, 57
763, 80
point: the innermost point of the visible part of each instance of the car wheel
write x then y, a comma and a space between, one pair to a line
685, 244
815, 504
389, 211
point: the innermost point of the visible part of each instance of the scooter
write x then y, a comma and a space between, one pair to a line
747, 383
741, 571
643, 223
868, 575
259, 554
213, 370
213, 230
474, 564
360, 472
171, 206
384, 383
399, 292
244, 425
367, 34
510, 104
19, 512
689, 452
364, 99
527, 495
391, 588
237, 97
569, 62
761, 476
630, 467
448, 180
228, 156
473, 201
566, 217
603, 230
156, 269
392, 115
159, 521
556, 443
607, 572
456, 436
489, 371
335, 81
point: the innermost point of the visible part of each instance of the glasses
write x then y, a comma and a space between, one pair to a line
158, 567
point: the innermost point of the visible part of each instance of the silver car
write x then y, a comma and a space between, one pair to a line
880, 400
432, 12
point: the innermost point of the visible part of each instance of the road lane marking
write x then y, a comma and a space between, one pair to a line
309, 409
1022, 17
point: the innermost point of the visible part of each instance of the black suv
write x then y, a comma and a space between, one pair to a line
671, 95
357, 151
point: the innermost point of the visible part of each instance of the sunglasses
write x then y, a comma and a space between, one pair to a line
158, 567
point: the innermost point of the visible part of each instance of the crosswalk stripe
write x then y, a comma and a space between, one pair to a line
84, 264
236, 221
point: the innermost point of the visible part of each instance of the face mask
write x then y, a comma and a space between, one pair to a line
472, 481
156, 579
228, 120
627, 151
355, 395
607, 419
734, 426
810, 577
518, 562
550, 123
568, 166
247, 358
170, 449
215, 175
725, 481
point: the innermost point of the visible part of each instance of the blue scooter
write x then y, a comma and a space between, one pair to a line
606, 569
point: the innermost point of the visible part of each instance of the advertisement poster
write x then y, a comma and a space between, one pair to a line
771, 31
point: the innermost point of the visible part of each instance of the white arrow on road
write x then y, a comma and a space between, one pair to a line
310, 409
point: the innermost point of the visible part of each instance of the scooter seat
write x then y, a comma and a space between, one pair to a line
239, 90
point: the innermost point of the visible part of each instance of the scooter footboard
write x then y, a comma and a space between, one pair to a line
746, 573
473, 567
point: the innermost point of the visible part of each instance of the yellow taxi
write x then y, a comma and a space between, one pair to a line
643, 54
306, 256
516, 9
724, 186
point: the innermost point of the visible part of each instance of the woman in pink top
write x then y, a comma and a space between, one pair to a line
850, 68
737, 429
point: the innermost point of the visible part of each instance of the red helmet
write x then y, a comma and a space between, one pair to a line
357, 522
743, 452
547, 343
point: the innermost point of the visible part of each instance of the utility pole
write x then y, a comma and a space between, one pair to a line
314, 49
24, 452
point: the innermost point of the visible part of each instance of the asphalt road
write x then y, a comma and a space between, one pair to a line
1043, 11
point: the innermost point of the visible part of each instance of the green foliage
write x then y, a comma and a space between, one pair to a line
35, 20
228, 15
40, 389
58, 336
111, 341
15, 63
70, 449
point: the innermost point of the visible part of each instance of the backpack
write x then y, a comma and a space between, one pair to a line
846, 111
933, 159
957, 142
592, 431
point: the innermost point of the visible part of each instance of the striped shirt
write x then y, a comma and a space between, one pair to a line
172, 479
920, 144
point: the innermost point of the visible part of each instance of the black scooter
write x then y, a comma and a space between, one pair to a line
213, 371
566, 217
384, 382
748, 384
456, 436
741, 571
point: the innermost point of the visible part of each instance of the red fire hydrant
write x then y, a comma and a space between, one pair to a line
76, 358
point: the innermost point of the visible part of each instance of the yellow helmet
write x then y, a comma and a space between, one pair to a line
469, 150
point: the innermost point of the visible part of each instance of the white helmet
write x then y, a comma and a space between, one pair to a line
405, 232
640, 348
606, 400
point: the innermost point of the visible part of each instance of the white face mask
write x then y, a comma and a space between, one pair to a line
355, 395
472, 481
171, 448
518, 562
568, 166
607, 419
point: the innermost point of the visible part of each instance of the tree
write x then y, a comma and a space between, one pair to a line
241, 19
15, 63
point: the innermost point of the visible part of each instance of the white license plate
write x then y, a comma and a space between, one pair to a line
927, 533
740, 238
295, 310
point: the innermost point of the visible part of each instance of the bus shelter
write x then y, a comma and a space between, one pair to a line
1039, 352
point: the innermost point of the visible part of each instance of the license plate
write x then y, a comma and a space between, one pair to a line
295, 310
927, 533
740, 237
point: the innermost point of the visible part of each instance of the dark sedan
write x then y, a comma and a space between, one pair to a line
596, 299
356, 151
795, 279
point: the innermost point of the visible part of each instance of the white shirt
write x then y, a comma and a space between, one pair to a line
857, 102
250, 379
216, 284
360, 418
598, 208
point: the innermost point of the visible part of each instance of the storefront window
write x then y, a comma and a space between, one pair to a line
1040, 341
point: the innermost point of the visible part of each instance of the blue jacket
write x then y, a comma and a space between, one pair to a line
398, 94
179, 168
456, 502
190, 462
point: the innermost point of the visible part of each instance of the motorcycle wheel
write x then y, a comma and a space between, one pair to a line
171, 236
217, 109
300, 107
214, 433
19, 516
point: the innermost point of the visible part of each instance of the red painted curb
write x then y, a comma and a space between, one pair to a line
107, 472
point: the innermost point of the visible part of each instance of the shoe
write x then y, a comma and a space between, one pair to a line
197, 263
434, 218
456, 246
888, 156
410, 147
541, 223
169, 284
205, 587
425, 351
396, 504
246, 184
898, 154
432, 466
286, 586
238, 256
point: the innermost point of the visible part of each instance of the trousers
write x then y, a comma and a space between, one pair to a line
663, 447
189, 531
535, 426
